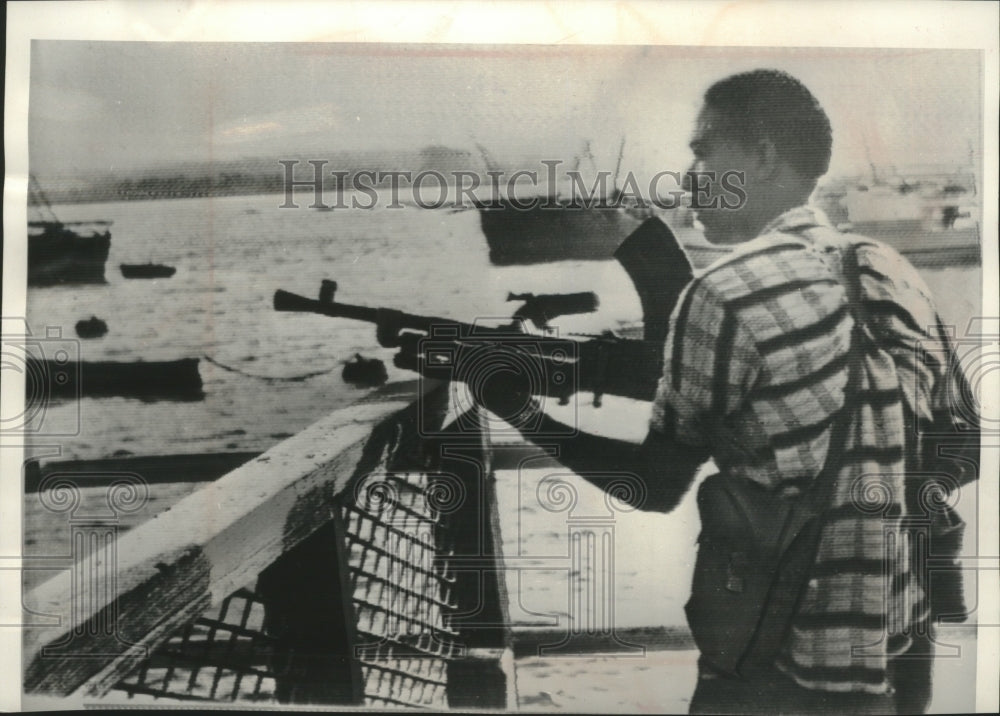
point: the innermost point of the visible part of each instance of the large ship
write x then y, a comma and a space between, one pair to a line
541, 228
59, 252
566, 232
555, 226
560, 232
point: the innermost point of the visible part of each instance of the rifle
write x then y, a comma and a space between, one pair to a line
559, 367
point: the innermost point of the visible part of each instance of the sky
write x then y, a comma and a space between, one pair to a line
109, 106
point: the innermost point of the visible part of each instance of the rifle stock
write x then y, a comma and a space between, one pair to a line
654, 260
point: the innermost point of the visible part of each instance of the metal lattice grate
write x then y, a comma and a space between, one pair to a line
401, 587
221, 656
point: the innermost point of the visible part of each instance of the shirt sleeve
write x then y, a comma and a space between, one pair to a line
709, 364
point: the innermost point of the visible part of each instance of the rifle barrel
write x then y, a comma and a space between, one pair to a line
287, 301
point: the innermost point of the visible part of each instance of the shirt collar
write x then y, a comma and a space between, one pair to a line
801, 217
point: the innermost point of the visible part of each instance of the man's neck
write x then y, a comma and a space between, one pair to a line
776, 209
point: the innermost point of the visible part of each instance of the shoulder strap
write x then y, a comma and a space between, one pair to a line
818, 498
825, 481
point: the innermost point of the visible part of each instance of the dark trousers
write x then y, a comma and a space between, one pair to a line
910, 674
772, 692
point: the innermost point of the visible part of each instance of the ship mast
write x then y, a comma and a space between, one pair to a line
618, 166
488, 159
974, 166
875, 180
586, 153
37, 197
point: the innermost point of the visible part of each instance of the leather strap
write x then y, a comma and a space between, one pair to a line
817, 500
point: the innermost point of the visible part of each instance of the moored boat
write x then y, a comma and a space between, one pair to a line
194, 467
147, 270
176, 380
67, 253
92, 327
64, 252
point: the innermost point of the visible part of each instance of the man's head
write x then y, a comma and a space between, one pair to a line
768, 126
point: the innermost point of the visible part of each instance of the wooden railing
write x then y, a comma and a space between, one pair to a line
355, 563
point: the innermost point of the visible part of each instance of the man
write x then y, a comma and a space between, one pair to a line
756, 368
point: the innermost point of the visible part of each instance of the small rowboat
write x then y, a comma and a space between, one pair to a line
176, 380
147, 270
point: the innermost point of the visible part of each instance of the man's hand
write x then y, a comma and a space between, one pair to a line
504, 384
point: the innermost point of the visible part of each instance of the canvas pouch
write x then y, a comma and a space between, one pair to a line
754, 555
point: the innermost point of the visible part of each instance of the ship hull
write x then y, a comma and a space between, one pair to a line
149, 381
925, 247
58, 254
543, 235
147, 270
523, 237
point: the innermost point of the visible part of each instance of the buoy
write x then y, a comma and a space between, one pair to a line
93, 327
365, 372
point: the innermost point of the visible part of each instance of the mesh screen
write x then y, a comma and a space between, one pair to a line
221, 656
396, 547
398, 551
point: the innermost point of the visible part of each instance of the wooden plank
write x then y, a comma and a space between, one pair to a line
483, 676
213, 542
48, 537
308, 606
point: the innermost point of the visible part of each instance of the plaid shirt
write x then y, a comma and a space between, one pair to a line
755, 369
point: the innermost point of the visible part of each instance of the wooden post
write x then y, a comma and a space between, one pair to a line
308, 611
482, 676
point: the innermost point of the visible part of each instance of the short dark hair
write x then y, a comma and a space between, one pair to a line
771, 104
